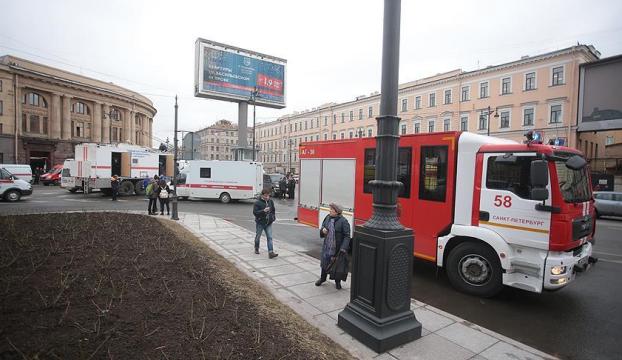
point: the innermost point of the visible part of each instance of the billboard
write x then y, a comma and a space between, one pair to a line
229, 73
600, 102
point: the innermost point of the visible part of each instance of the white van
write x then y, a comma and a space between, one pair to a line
216, 179
20, 171
11, 188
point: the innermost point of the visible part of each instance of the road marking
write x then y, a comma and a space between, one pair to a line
605, 253
610, 261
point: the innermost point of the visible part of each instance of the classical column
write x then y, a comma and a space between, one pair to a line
55, 117
145, 131
149, 132
96, 129
126, 126
66, 117
106, 125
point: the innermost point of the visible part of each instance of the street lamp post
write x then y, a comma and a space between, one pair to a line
488, 119
289, 155
379, 313
174, 214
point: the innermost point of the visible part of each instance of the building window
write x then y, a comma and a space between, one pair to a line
325, 136
44, 124
446, 124
79, 108
351, 115
1, 154
1, 132
351, 134
0, 91
369, 132
556, 114
417, 128
528, 114
307, 125
343, 118
325, 120
1, 108
506, 86
403, 129
558, 76
483, 121
483, 90
115, 115
342, 135
34, 124
464, 123
360, 114
530, 81
404, 105
34, 99
334, 136
431, 126
432, 100
504, 119
370, 111
465, 93
417, 102
433, 173
608, 141
447, 97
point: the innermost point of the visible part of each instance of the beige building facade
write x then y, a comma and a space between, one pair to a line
45, 112
536, 93
215, 142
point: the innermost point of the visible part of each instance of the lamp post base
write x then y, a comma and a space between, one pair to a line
379, 314
174, 214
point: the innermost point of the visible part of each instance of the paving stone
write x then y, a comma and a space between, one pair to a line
295, 279
331, 302
431, 320
308, 290
302, 308
431, 347
281, 270
296, 259
327, 325
505, 351
385, 356
467, 337
311, 267
264, 262
355, 347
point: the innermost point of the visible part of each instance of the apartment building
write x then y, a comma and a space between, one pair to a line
536, 93
215, 142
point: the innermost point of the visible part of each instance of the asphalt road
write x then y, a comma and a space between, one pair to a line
581, 321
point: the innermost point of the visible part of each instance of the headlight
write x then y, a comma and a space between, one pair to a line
558, 270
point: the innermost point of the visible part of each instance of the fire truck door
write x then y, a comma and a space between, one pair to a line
505, 203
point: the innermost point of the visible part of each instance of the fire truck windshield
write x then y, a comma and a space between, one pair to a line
573, 184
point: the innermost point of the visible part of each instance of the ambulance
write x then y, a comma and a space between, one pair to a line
218, 179
492, 212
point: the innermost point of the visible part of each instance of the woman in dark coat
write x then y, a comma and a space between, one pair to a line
336, 233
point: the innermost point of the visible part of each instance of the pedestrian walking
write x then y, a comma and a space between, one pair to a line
265, 215
291, 186
163, 194
37, 174
114, 185
283, 187
336, 234
152, 195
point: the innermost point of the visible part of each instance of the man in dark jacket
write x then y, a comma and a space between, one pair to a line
114, 184
291, 187
336, 234
283, 187
152, 194
265, 214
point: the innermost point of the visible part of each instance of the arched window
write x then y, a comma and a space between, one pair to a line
34, 99
115, 114
80, 108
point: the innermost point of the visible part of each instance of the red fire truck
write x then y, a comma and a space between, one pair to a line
492, 212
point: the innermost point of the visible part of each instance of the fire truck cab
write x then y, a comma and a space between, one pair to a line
492, 212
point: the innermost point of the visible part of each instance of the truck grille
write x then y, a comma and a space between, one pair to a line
581, 227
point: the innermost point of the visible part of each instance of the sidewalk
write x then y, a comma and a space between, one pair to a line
291, 276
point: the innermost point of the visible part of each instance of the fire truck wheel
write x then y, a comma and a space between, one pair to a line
126, 188
475, 269
139, 189
12, 195
225, 198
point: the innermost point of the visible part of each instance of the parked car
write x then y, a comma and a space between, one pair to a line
20, 171
608, 203
274, 183
12, 188
53, 176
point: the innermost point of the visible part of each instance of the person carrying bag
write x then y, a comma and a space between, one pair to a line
336, 234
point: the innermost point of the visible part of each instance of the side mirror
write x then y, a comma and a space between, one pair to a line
539, 180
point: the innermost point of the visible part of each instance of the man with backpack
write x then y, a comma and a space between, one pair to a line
152, 195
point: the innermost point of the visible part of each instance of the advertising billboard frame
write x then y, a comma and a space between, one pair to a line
598, 125
201, 44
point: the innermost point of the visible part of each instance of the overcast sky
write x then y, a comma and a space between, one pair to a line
333, 48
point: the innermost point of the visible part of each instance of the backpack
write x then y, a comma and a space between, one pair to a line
149, 190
